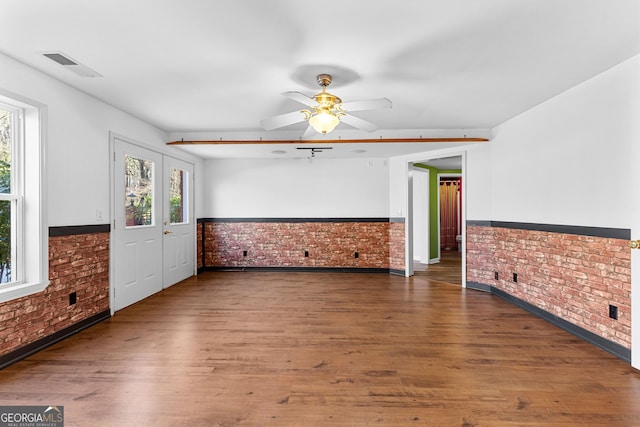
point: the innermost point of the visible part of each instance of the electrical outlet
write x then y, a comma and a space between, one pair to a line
245, 253
306, 254
356, 255
495, 275
613, 312
515, 277
73, 298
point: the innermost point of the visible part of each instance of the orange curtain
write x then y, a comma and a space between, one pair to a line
449, 213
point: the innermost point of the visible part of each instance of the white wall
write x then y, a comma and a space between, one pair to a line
566, 161
288, 188
77, 141
478, 182
398, 186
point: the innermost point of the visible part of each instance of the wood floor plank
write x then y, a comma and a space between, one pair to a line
317, 349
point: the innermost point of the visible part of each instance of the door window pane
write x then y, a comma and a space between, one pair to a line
138, 191
177, 205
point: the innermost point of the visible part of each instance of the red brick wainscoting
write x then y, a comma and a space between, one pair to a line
397, 246
306, 243
200, 246
78, 263
573, 276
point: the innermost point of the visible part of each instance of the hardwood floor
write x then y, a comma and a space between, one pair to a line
325, 349
448, 270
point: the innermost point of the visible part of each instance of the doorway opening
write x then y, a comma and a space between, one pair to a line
438, 218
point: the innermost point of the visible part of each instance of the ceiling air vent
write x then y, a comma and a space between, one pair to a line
71, 64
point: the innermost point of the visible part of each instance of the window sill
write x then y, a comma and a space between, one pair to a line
18, 291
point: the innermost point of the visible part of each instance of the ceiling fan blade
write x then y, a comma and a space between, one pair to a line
358, 123
282, 120
367, 104
301, 98
309, 132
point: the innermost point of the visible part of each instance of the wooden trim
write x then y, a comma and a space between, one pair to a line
325, 141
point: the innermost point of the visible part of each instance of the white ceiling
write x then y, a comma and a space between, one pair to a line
206, 69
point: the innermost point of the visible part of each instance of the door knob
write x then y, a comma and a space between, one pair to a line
167, 232
634, 244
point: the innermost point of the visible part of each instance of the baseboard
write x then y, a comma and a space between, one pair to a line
478, 286
588, 336
305, 269
29, 349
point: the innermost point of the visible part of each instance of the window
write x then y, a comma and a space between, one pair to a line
10, 194
138, 191
177, 208
23, 226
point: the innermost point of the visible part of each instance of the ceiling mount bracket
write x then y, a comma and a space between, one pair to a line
324, 80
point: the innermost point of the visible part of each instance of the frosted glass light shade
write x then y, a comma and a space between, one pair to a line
324, 121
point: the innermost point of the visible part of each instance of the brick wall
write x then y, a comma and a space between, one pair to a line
282, 243
397, 246
572, 276
77, 263
200, 249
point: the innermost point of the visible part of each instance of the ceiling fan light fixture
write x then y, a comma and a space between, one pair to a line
326, 111
324, 121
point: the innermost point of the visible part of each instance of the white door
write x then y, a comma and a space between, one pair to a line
179, 227
137, 228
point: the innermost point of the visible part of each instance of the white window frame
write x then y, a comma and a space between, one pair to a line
30, 262
15, 196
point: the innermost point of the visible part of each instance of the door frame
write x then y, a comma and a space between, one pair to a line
425, 157
112, 141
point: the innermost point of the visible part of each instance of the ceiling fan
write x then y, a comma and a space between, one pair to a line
326, 111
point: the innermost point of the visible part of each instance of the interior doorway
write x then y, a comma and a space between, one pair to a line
450, 211
435, 250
